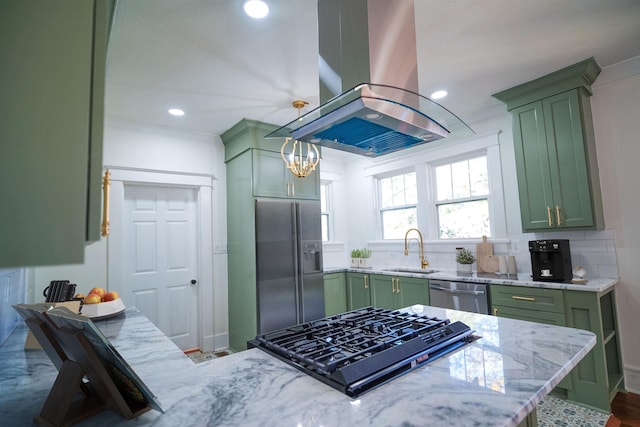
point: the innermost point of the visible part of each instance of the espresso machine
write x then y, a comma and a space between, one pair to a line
551, 260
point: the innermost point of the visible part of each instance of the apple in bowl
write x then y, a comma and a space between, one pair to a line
99, 304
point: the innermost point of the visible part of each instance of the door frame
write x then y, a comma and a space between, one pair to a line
203, 186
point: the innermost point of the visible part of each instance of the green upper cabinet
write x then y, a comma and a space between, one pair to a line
554, 145
52, 128
397, 292
271, 178
269, 174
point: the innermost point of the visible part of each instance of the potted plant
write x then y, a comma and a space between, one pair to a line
365, 258
464, 258
355, 258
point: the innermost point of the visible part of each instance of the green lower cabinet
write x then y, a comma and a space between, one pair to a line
529, 315
397, 292
599, 375
358, 290
533, 305
335, 294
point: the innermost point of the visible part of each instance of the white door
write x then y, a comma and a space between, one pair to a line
160, 253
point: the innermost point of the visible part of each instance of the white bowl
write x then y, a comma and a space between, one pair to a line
103, 310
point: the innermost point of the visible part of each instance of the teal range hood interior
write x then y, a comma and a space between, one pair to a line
374, 120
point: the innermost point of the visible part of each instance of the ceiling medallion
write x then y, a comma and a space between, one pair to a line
300, 161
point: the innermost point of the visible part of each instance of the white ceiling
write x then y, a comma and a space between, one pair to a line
217, 64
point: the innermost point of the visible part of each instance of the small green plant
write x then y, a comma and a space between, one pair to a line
361, 253
464, 256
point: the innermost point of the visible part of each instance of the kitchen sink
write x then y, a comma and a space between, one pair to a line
410, 270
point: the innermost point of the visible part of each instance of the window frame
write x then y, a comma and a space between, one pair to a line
328, 204
432, 179
449, 150
378, 194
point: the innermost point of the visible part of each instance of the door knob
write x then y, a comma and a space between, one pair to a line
194, 281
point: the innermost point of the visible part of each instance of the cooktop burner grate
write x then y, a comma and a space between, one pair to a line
360, 349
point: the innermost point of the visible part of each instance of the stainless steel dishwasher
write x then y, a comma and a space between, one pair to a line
463, 296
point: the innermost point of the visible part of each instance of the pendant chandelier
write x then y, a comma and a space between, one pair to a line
301, 160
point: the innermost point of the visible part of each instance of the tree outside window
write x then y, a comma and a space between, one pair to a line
462, 199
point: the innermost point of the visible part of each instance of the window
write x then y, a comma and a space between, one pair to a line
325, 210
462, 199
398, 200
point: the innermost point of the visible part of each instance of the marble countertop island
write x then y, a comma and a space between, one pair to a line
494, 381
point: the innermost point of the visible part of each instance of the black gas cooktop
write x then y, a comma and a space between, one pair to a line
364, 348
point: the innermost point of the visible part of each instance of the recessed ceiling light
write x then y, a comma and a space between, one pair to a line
256, 8
439, 94
176, 112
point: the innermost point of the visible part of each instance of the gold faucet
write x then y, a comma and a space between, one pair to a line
423, 262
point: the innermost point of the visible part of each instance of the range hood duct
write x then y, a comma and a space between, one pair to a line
369, 97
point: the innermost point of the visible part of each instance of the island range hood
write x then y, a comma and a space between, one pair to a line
369, 97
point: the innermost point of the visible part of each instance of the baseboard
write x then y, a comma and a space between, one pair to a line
221, 342
632, 379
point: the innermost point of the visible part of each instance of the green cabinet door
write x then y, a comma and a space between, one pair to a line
53, 77
534, 176
412, 290
394, 292
552, 165
359, 292
568, 161
383, 291
335, 294
271, 178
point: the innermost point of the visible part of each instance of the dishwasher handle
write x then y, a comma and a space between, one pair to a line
456, 291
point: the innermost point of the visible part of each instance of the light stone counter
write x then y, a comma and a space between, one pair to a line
495, 381
592, 285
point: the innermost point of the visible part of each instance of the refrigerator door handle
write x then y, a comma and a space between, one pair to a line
295, 211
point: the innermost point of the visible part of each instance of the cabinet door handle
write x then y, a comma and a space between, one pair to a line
522, 298
393, 285
293, 189
549, 216
495, 311
398, 284
366, 282
558, 219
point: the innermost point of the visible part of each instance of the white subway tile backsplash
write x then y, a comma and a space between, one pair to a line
594, 250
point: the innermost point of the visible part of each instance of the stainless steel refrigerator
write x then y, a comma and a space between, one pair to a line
289, 263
